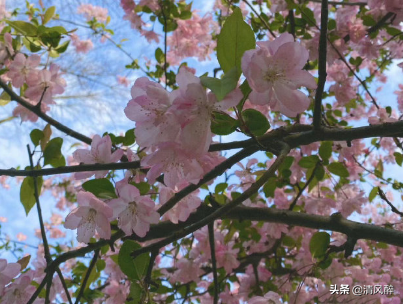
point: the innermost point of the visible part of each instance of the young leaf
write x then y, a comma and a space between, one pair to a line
338, 169
50, 12
52, 154
27, 192
100, 187
136, 268
223, 124
235, 38
256, 123
221, 87
318, 244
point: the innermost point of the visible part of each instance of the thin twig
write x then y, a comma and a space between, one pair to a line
45, 117
294, 202
213, 260
87, 276
383, 197
66, 290
317, 111
260, 17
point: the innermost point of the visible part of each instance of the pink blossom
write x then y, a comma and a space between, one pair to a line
6, 48
188, 271
90, 214
117, 292
91, 11
195, 109
382, 117
21, 290
274, 72
26, 114
182, 210
226, 256
82, 46
192, 38
101, 153
151, 109
123, 80
44, 84
176, 164
150, 36
20, 68
7, 273
270, 297
135, 212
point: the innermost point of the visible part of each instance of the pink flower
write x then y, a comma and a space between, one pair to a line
182, 210
382, 117
21, 67
150, 36
195, 109
7, 273
135, 212
21, 290
91, 11
227, 256
82, 46
151, 109
100, 153
270, 297
123, 80
175, 163
274, 72
44, 84
188, 271
90, 214
6, 48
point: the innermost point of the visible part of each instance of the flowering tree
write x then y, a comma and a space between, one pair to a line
269, 181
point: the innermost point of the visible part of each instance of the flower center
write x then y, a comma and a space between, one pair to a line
133, 207
273, 75
91, 215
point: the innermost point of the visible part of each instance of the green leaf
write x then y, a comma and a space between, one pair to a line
63, 47
100, 187
270, 187
338, 169
130, 138
308, 161
36, 136
318, 244
50, 12
235, 38
27, 192
325, 150
373, 194
52, 153
256, 123
4, 98
221, 87
399, 158
136, 268
221, 187
142, 186
32, 44
7, 119
25, 28
223, 124
159, 55
136, 292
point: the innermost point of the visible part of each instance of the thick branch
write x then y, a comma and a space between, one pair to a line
45, 117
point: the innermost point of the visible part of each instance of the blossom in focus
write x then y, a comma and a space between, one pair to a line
150, 108
90, 215
21, 290
20, 68
135, 212
100, 153
274, 72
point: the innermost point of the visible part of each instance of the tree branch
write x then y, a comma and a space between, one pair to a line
317, 111
71, 169
213, 260
87, 276
45, 117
